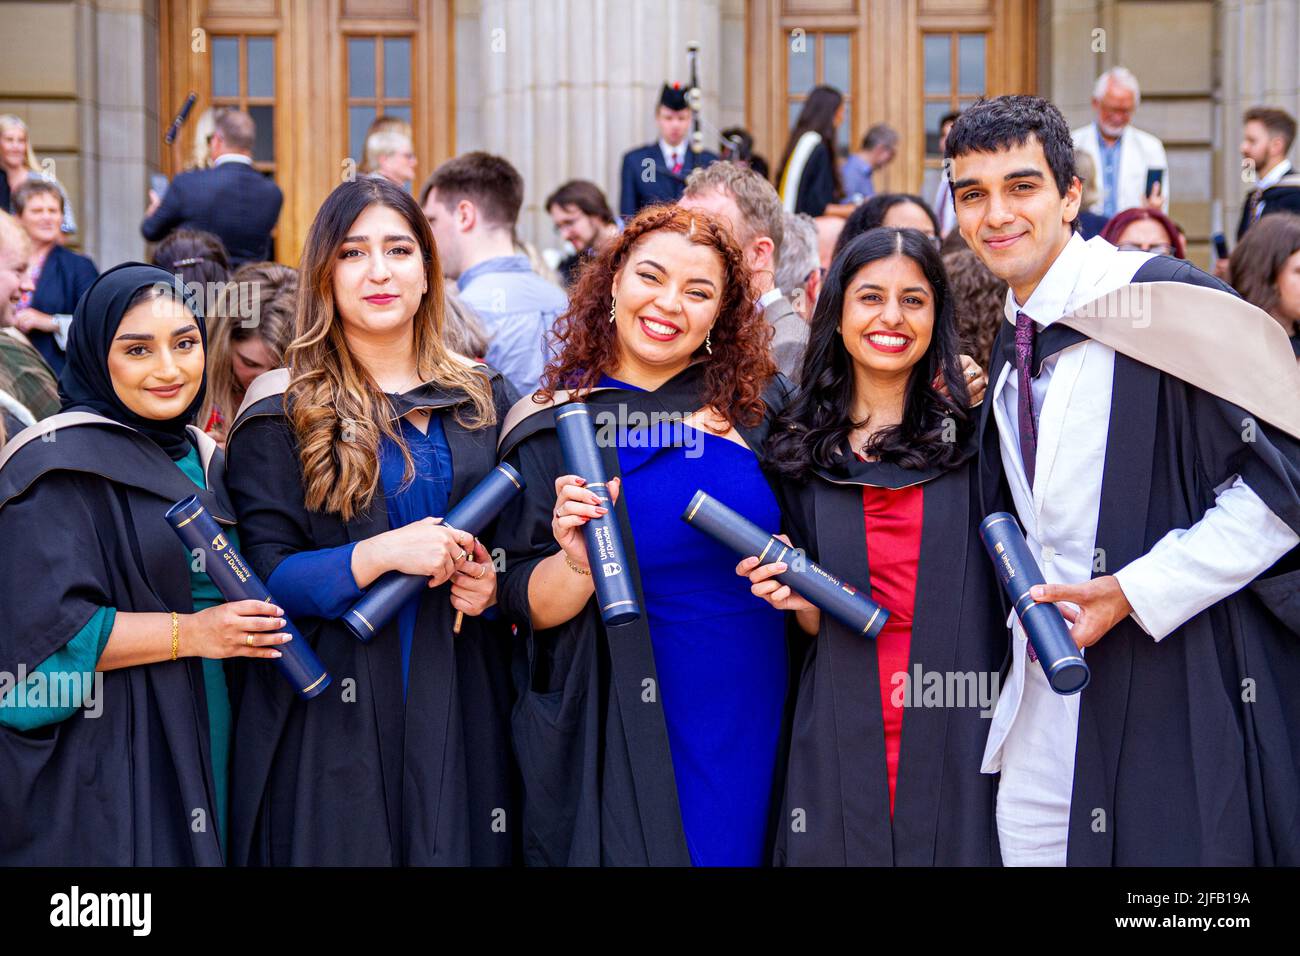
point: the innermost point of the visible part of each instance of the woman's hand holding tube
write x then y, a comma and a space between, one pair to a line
561, 585
474, 585
426, 547
763, 584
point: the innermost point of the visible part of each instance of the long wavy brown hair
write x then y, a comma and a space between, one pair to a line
335, 407
741, 363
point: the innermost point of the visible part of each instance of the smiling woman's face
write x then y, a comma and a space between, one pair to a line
379, 275
666, 298
156, 360
888, 317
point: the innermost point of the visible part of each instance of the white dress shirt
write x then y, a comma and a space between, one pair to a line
1139, 151
1033, 732
673, 154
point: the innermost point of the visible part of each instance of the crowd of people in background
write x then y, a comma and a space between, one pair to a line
828, 198
809, 304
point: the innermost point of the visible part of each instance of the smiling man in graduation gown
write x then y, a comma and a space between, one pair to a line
1142, 426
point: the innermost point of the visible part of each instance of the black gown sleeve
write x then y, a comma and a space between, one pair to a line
49, 595
265, 485
524, 533
817, 185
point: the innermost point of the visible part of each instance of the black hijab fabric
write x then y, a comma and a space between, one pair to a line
85, 382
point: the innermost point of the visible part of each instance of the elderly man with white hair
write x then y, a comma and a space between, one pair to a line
798, 267
1124, 155
390, 155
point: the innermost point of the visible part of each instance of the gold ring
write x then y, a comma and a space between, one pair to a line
482, 571
248, 639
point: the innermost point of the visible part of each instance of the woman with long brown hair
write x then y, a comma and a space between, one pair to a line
251, 331
653, 742
1265, 269
341, 466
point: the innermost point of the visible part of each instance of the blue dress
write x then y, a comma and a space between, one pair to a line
320, 583
719, 651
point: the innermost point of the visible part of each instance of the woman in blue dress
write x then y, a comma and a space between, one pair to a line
341, 467
658, 741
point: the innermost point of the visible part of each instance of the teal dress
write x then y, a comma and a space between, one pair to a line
20, 708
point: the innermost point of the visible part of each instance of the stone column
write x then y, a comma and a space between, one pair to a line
1259, 53
122, 134
563, 87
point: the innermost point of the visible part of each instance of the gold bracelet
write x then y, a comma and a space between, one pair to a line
176, 635
574, 567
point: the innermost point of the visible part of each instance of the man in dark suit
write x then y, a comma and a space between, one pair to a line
657, 172
232, 199
1266, 139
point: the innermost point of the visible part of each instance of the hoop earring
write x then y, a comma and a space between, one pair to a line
611, 309
708, 341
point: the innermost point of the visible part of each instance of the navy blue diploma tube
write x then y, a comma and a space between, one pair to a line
1043, 623
236, 581
842, 601
473, 513
605, 553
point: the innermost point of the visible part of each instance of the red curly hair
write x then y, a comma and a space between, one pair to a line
740, 366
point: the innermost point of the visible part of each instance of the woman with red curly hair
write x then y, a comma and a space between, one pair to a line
654, 742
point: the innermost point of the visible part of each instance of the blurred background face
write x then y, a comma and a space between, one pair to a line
41, 218
666, 298
379, 275
156, 360
673, 124
1115, 109
250, 358
399, 165
908, 215
446, 234
575, 226
14, 277
722, 206
1146, 235
943, 136
1288, 289
888, 317
1257, 146
13, 147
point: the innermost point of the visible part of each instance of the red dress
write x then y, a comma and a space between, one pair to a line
893, 520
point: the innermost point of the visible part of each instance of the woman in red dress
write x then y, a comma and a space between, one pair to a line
876, 477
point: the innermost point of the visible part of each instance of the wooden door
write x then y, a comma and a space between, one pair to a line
901, 62
313, 73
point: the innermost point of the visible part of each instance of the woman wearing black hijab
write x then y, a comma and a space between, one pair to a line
100, 606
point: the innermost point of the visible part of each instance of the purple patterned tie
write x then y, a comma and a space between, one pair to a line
1025, 333
1025, 394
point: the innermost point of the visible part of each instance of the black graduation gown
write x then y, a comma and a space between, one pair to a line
356, 776
817, 185
82, 527
592, 744
1185, 770
836, 805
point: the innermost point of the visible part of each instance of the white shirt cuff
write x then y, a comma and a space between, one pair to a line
62, 322
1190, 569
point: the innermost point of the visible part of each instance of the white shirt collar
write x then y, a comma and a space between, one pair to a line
1274, 174
233, 158
768, 297
1047, 302
669, 151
